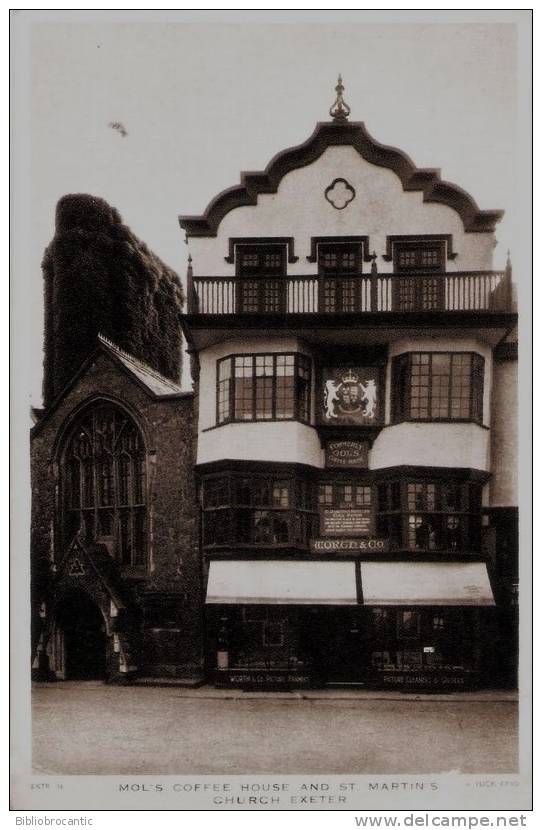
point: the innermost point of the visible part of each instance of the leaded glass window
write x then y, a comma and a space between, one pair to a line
104, 484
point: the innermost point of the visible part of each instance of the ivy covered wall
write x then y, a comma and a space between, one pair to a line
100, 278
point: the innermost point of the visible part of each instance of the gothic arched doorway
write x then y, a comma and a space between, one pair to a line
83, 628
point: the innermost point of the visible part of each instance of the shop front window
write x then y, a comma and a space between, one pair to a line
420, 639
408, 625
264, 637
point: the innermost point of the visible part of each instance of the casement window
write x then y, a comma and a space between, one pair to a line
265, 260
263, 387
103, 483
252, 510
345, 494
430, 515
262, 284
389, 521
438, 386
418, 266
340, 258
338, 265
419, 256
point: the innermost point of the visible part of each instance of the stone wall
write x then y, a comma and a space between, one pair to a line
174, 563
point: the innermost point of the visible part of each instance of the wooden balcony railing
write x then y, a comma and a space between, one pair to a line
316, 294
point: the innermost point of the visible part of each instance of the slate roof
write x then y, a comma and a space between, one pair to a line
150, 378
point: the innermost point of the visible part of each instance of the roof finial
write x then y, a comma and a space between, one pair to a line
339, 110
508, 261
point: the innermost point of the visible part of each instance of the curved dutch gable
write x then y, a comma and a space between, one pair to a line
354, 134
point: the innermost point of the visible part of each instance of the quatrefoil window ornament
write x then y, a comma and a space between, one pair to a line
339, 193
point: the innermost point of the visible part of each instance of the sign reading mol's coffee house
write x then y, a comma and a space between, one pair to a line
351, 454
350, 396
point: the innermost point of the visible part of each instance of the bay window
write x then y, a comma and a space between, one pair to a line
438, 386
253, 510
263, 387
430, 515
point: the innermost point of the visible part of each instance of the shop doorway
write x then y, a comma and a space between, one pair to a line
84, 638
339, 643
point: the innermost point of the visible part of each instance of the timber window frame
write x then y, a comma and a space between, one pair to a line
261, 271
339, 265
430, 515
419, 255
261, 259
345, 494
340, 259
438, 386
253, 510
271, 386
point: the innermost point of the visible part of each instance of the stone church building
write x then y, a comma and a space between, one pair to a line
335, 502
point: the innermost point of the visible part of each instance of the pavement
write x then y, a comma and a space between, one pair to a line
93, 728
206, 692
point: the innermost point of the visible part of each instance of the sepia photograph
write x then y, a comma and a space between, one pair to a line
271, 546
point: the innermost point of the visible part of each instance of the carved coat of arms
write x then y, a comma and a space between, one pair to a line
350, 397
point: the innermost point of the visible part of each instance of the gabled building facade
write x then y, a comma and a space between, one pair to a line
116, 580
352, 345
336, 500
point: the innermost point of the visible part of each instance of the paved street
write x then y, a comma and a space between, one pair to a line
89, 728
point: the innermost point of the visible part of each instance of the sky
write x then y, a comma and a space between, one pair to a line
202, 101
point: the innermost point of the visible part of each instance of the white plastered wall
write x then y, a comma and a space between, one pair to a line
288, 441
504, 436
434, 444
423, 444
380, 208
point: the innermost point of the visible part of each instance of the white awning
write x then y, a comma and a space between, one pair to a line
425, 583
281, 582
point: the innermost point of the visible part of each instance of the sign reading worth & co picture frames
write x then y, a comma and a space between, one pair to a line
350, 396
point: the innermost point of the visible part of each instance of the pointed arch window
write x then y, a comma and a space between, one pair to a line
104, 484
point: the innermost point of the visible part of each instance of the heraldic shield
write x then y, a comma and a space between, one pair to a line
350, 396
